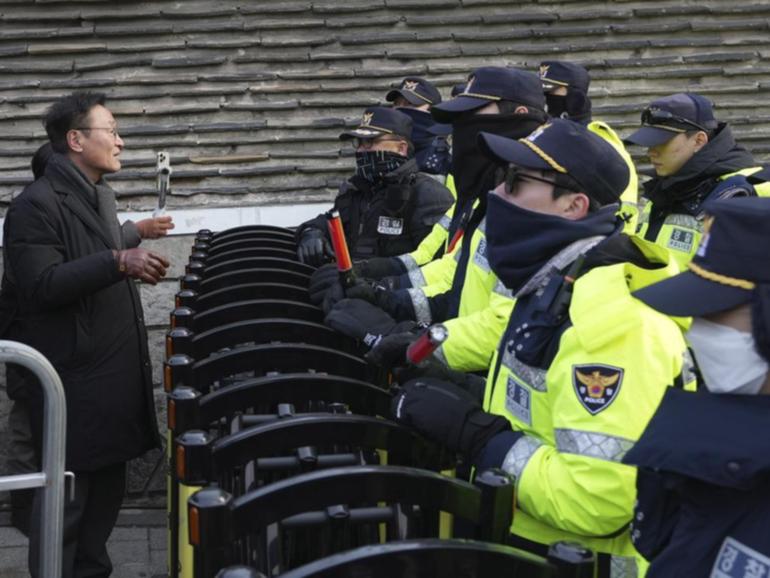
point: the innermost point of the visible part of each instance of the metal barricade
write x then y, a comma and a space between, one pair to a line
51, 478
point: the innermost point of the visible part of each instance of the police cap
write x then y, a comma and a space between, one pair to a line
569, 148
669, 116
379, 121
555, 73
416, 90
492, 84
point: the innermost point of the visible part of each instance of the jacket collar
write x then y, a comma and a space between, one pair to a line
79, 195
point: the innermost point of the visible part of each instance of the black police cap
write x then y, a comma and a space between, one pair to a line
560, 73
379, 121
416, 90
492, 84
569, 148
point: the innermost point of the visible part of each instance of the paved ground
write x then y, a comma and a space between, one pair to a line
137, 547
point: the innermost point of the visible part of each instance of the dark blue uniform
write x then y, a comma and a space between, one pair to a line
704, 487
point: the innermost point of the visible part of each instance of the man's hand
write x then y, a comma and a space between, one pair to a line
142, 264
313, 247
155, 228
359, 320
447, 414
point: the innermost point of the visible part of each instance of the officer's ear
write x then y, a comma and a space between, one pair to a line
521, 110
701, 140
575, 206
403, 148
74, 140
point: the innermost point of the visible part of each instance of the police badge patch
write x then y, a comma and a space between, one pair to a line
390, 225
596, 385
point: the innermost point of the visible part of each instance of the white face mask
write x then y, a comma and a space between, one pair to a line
727, 358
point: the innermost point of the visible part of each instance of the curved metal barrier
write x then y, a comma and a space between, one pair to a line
51, 478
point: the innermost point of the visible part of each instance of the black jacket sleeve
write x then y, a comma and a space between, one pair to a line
36, 253
432, 200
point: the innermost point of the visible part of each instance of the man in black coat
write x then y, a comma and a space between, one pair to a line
68, 291
388, 206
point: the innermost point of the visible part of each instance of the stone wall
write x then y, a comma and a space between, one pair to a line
249, 97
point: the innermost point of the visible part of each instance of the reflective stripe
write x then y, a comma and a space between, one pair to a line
623, 567
501, 289
688, 368
420, 305
686, 221
592, 444
534, 377
480, 257
445, 221
519, 455
408, 261
417, 278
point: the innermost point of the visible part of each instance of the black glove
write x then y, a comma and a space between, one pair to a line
447, 414
378, 267
434, 368
323, 279
390, 351
313, 247
360, 320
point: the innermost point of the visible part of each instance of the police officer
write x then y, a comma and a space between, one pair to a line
704, 478
696, 159
414, 97
582, 364
466, 295
388, 206
566, 95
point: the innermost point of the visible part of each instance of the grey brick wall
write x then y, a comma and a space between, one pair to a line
249, 96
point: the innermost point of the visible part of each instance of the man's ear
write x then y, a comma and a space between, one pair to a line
576, 206
74, 138
701, 140
521, 110
403, 148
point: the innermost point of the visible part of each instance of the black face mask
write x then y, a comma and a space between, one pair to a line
575, 106
421, 122
520, 242
557, 105
372, 166
474, 173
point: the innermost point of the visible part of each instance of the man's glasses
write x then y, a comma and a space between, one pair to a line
657, 116
113, 131
514, 174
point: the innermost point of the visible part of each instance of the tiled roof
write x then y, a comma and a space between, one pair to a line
249, 97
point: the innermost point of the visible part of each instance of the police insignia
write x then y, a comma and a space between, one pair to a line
681, 240
596, 385
390, 225
544, 70
410, 85
367, 119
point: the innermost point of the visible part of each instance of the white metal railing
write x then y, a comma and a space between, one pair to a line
51, 478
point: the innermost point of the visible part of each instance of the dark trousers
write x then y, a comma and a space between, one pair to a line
21, 460
88, 523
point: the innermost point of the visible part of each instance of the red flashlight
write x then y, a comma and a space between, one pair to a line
427, 343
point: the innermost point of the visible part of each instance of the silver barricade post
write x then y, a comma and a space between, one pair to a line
51, 478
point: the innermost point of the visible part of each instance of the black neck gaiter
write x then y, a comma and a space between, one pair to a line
473, 172
520, 242
372, 166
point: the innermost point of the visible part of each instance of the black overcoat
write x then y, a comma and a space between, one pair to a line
64, 296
